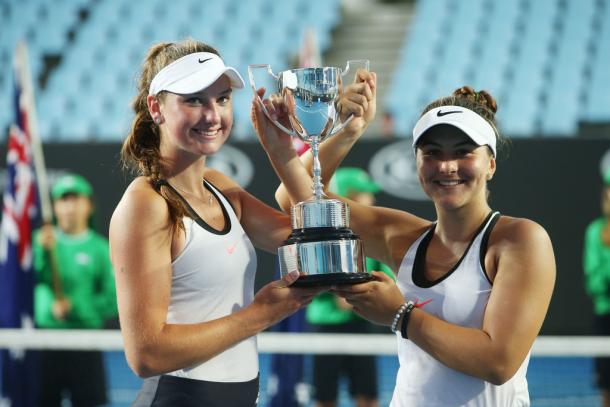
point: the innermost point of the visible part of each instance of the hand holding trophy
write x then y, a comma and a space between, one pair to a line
321, 246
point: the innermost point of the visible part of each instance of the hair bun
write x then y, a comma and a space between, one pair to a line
481, 97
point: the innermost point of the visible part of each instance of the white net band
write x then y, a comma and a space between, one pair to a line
286, 343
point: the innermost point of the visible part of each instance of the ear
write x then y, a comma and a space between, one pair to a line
154, 108
492, 168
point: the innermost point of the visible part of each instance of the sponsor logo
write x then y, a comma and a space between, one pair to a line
441, 113
231, 248
393, 168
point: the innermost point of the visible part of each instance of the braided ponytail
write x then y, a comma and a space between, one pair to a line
140, 152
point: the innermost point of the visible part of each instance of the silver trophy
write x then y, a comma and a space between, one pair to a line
321, 246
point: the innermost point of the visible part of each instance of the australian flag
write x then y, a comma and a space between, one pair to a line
20, 214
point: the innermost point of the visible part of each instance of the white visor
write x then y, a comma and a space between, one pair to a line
476, 127
193, 73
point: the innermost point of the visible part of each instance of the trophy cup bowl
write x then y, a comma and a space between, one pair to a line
321, 246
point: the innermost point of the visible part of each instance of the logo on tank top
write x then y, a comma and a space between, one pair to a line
418, 304
231, 248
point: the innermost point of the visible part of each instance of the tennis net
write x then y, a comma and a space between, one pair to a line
561, 370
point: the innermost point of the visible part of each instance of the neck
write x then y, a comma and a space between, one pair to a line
188, 178
460, 224
183, 167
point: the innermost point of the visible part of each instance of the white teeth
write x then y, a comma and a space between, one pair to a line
206, 133
449, 183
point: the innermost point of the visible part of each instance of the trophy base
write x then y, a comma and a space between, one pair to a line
319, 280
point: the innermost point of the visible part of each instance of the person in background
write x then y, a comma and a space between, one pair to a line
329, 313
596, 261
388, 125
74, 290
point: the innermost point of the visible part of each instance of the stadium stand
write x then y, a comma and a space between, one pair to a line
547, 61
85, 54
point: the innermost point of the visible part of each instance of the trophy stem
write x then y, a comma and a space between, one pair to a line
318, 186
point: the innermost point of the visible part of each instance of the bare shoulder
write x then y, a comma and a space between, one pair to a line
522, 231
220, 180
521, 244
140, 204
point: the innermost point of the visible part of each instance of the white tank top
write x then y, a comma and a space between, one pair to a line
459, 297
212, 278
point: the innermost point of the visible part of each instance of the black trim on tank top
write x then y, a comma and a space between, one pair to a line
197, 218
208, 183
419, 264
485, 241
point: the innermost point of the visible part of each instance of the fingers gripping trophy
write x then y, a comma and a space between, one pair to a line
321, 246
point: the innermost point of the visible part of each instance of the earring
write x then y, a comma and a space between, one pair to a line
158, 120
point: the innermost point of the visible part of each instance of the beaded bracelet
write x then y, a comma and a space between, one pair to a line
405, 319
394, 326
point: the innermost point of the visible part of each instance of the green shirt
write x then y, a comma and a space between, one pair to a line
324, 310
597, 267
87, 281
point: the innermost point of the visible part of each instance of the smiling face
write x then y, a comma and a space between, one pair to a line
452, 169
198, 123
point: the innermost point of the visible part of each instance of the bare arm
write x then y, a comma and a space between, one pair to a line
385, 232
141, 239
525, 276
266, 227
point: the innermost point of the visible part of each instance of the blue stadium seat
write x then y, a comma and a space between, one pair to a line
102, 62
489, 67
534, 56
545, 60
597, 107
561, 113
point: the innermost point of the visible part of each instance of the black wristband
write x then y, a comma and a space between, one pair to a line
405, 319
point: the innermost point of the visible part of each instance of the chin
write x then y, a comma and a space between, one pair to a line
449, 203
211, 149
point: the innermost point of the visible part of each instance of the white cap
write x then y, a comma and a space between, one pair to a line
193, 73
476, 127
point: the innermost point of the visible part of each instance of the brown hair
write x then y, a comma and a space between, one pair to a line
480, 102
140, 152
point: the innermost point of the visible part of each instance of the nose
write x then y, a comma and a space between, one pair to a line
211, 113
448, 166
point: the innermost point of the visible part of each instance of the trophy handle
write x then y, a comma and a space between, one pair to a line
365, 63
267, 67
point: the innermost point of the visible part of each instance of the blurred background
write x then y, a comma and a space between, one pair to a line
547, 63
